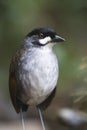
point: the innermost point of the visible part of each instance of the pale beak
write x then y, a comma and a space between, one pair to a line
58, 39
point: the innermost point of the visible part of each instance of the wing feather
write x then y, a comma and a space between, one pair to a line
13, 84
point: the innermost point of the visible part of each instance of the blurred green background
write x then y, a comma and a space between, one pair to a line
68, 18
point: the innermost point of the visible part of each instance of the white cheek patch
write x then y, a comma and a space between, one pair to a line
45, 40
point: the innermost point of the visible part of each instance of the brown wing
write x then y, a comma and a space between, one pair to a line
13, 89
13, 85
47, 102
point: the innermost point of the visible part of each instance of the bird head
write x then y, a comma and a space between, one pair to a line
43, 36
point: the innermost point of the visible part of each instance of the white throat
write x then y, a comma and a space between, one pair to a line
45, 40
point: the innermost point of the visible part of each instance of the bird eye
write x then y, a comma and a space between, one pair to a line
41, 35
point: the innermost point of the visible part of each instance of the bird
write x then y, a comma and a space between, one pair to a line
34, 72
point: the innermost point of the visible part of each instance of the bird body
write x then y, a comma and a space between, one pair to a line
34, 71
38, 74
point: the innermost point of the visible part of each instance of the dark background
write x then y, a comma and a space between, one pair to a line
69, 19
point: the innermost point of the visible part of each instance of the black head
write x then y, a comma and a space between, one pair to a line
42, 36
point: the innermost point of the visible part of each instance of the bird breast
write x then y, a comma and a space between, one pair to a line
38, 75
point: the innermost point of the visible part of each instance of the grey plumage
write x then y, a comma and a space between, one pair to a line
38, 74
34, 71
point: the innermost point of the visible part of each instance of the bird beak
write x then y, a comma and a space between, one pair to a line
58, 39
